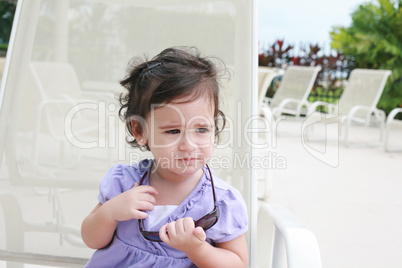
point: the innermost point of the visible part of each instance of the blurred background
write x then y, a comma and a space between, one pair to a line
353, 208
338, 36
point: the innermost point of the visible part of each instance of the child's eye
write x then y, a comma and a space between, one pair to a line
173, 131
202, 130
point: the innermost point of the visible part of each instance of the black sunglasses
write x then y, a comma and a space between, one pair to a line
206, 222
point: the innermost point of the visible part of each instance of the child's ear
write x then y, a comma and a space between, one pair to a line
138, 132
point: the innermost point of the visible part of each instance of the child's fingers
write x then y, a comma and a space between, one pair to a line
144, 189
147, 198
188, 224
200, 233
171, 228
163, 233
178, 226
144, 205
140, 215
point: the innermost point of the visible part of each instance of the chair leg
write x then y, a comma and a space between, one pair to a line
385, 140
346, 134
14, 226
279, 258
382, 134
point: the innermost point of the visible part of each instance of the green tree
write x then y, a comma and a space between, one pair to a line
374, 40
7, 10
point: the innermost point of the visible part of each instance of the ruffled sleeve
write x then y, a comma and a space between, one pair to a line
233, 218
114, 183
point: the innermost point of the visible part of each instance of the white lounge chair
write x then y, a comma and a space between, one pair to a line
292, 93
64, 111
265, 77
291, 243
357, 105
392, 124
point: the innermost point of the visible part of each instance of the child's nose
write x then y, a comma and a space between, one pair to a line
186, 143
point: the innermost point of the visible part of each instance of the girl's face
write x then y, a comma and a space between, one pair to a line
180, 136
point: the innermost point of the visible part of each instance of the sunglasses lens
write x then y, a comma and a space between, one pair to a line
206, 223
153, 237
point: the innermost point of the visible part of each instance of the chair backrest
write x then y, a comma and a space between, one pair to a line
265, 76
296, 84
53, 81
60, 37
56, 78
2, 64
364, 88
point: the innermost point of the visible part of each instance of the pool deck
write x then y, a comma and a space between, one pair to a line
353, 207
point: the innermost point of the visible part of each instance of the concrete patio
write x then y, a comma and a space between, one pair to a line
354, 208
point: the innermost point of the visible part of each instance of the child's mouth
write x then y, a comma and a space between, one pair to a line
188, 161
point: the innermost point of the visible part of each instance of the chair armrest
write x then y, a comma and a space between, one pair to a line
392, 123
313, 107
275, 225
378, 113
97, 87
267, 112
282, 106
266, 101
287, 101
75, 108
393, 113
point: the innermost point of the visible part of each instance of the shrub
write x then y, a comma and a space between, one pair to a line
329, 83
374, 40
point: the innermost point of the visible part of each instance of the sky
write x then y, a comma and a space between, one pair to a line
303, 21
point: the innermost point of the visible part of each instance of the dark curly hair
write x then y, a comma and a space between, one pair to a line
174, 73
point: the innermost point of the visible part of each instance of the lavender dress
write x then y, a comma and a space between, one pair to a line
130, 249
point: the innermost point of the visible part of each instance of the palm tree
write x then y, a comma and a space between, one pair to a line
374, 39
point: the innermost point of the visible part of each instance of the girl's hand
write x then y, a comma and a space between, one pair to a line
128, 205
183, 235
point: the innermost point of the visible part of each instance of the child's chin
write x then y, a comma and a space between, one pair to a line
190, 167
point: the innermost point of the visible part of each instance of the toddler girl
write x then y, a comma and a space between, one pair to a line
170, 211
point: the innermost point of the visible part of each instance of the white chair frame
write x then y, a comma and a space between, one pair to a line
291, 243
354, 115
391, 124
